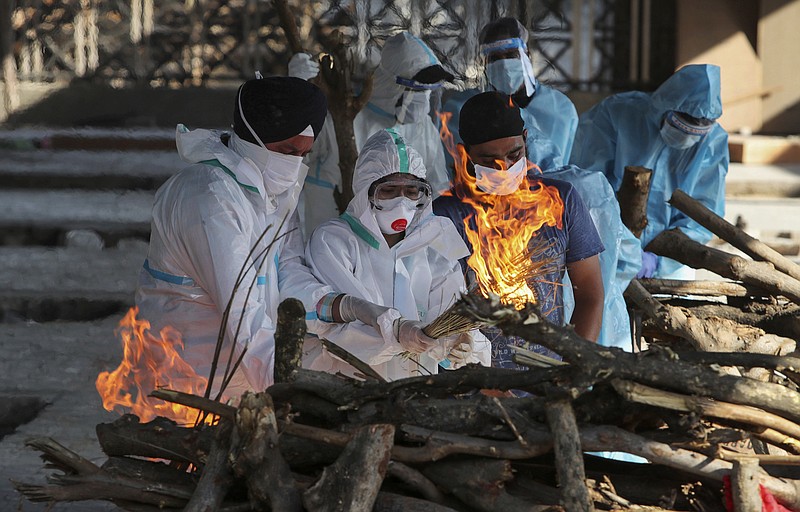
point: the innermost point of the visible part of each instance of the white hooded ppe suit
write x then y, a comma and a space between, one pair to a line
420, 276
206, 219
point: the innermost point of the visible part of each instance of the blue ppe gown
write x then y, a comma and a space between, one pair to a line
624, 129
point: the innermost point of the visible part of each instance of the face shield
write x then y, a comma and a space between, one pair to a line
508, 67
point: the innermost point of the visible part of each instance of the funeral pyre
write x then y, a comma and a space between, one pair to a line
710, 401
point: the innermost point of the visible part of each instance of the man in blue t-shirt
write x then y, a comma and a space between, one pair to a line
494, 137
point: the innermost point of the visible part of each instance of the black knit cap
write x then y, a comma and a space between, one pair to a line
278, 108
502, 28
489, 116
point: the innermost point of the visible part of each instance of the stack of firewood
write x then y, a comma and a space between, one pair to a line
712, 405
316, 441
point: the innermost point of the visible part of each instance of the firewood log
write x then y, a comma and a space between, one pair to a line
353, 481
731, 234
676, 245
632, 196
258, 459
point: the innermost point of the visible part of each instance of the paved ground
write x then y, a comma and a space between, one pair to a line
73, 227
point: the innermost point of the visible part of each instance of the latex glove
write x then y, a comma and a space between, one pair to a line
410, 336
352, 308
460, 354
649, 265
301, 65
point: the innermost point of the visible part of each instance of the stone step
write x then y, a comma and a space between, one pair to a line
45, 216
88, 170
46, 284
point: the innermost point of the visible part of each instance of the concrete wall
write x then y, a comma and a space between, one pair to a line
723, 32
779, 48
757, 45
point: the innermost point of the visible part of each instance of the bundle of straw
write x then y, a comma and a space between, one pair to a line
530, 265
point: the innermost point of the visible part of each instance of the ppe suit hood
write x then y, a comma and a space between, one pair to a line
693, 89
403, 55
387, 153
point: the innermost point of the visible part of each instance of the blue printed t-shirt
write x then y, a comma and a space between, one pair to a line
577, 240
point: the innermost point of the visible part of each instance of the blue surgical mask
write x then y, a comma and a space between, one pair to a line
506, 75
677, 139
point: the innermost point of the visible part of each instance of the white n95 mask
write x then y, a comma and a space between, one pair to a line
414, 108
282, 172
394, 215
501, 183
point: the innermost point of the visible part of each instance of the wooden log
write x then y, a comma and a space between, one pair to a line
352, 360
290, 331
713, 288
731, 234
599, 363
353, 481
780, 320
61, 457
160, 438
416, 481
569, 458
706, 407
744, 485
615, 439
258, 460
705, 334
217, 477
676, 245
348, 392
632, 195
289, 25
480, 484
141, 469
389, 502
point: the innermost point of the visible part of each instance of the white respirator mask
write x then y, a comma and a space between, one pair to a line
414, 108
394, 215
499, 182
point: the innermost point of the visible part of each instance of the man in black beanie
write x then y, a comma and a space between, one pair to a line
224, 235
494, 138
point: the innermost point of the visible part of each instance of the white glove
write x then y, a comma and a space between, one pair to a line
352, 308
301, 65
410, 336
454, 351
461, 353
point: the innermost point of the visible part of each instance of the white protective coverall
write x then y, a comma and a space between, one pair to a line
403, 55
316, 199
419, 276
206, 219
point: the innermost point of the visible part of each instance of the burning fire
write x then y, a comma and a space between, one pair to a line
505, 239
149, 362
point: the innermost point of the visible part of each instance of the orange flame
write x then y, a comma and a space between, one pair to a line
149, 362
506, 226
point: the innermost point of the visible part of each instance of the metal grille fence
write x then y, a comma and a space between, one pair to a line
178, 43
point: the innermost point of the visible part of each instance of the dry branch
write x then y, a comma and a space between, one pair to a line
632, 195
290, 331
731, 234
713, 288
676, 245
353, 481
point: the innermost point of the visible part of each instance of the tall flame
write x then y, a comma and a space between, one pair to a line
504, 239
149, 362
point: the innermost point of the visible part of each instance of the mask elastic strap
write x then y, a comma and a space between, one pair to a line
241, 114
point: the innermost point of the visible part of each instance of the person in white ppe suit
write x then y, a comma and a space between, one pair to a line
390, 249
317, 203
233, 208
509, 70
401, 92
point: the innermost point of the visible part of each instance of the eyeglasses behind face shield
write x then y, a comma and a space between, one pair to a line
386, 193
